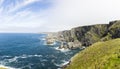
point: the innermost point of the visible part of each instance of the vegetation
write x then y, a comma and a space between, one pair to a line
2, 68
114, 29
101, 55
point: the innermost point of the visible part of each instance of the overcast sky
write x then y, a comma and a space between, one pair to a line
55, 15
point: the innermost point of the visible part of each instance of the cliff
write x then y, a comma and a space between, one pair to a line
101, 55
87, 35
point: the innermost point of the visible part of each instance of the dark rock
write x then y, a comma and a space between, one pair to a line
87, 35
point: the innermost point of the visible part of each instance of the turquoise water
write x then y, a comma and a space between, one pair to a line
29, 51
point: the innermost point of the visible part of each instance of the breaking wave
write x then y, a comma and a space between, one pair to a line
64, 62
7, 67
14, 59
62, 50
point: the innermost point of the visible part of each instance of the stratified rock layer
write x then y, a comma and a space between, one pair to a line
87, 35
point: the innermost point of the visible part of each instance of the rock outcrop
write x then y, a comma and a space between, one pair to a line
87, 35
51, 38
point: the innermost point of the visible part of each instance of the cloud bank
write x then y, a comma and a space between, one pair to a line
55, 15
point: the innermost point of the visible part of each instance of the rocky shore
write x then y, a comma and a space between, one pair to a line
51, 38
83, 36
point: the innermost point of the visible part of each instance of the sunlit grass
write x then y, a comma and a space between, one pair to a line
2, 68
101, 55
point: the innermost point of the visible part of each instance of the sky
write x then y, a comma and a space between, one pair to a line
55, 15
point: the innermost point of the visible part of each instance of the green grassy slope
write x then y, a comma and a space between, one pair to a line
2, 68
101, 55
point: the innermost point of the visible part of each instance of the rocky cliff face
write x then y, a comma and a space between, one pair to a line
87, 35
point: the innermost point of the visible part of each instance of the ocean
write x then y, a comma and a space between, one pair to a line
30, 51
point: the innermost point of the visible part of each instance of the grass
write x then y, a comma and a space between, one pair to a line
2, 68
101, 55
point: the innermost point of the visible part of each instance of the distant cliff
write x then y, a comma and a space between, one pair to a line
87, 35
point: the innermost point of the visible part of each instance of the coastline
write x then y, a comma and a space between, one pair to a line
85, 36
65, 66
52, 38
80, 61
69, 62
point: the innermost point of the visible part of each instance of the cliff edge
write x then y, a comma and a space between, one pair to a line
87, 35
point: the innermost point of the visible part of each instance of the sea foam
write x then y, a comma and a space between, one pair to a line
14, 59
7, 67
62, 64
62, 50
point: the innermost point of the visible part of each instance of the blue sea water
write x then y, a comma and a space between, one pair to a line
29, 51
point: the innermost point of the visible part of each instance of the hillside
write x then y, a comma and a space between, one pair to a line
87, 35
101, 55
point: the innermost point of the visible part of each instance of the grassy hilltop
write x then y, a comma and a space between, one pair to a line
101, 55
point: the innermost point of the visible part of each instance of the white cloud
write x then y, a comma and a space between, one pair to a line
19, 4
1, 1
24, 19
67, 14
64, 14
